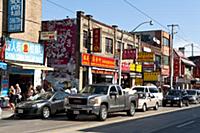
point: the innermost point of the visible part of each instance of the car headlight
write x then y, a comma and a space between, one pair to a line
66, 101
95, 101
176, 98
34, 106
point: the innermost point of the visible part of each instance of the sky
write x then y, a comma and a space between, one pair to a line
128, 14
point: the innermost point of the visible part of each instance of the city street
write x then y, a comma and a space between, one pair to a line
168, 119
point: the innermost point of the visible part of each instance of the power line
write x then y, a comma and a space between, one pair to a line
67, 9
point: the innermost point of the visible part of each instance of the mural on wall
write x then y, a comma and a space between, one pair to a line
61, 53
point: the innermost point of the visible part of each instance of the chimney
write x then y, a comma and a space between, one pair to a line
182, 49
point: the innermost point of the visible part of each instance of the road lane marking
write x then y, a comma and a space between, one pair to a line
185, 124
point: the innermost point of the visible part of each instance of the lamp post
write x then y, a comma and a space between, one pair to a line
121, 51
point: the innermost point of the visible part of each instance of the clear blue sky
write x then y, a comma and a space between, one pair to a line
185, 13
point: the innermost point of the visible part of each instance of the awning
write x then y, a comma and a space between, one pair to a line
3, 65
188, 62
31, 66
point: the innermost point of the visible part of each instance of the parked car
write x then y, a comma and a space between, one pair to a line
146, 99
43, 105
193, 96
179, 97
150, 89
99, 100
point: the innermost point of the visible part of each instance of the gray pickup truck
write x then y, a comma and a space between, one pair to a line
99, 100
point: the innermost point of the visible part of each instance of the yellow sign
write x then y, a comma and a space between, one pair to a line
151, 76
136, 67
146, 57
138, 81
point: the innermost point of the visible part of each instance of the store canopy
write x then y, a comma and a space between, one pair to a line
32, 66
188, 62
3, 65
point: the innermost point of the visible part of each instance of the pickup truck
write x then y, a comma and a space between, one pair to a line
99, 100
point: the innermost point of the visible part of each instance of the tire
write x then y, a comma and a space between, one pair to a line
156, 106
131, 111
187, 103
71, 116
144, 108
181, 104
164, 104
46, 112
103, 113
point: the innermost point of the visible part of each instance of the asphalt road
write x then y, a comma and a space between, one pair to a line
165, 120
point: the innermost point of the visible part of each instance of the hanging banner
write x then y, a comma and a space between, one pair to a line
97, 40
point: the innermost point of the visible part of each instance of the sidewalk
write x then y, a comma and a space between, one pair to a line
6, 113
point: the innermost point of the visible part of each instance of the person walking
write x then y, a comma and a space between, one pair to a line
18, 92
12, 97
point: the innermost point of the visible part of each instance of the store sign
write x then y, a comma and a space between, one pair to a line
176, 67
102, 72
16, 15
151, 76
138, 81
125, 67
96, 40
129, 54
148, 67
48, 35
146, 57
18, 50
97, 61
136, 67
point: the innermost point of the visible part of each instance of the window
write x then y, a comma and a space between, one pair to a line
109, 45
153, 90
119, 90
158, 61
119, 45
85, 38
166, 60
113, 89
129, 46
165, 41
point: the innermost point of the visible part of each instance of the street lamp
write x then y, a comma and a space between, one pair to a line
120, 57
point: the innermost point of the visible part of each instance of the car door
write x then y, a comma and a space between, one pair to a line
153, 95
58, 101
121, 98
113, 98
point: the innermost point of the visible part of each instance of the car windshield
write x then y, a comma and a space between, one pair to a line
95, 89
139, 89
191, 92
174, 93
44, 96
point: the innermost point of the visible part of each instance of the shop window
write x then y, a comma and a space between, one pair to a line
109, 45
166, 60
85, 38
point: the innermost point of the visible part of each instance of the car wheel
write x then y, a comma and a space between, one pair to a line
164, 104
187, 103
46, 112
131, 111
71, 116
156, 106
181, 104
103, 113
144, 108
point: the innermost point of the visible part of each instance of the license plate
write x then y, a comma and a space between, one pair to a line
20, 111
168, 101
76, 112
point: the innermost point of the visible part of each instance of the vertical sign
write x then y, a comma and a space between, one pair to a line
96, 40
176, 67
15, 16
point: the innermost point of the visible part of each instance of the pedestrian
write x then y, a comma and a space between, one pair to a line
12, 97
50, 87
39, 89
18, 92
30, 92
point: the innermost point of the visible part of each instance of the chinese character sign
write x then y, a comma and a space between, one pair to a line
97, 40
18, 50
15, 15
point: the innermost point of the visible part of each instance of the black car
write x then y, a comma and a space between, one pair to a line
193, 96
42, 105
179, 97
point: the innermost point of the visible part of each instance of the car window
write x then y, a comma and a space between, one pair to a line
146, 90
153, 90
119, 90
60, 96
139, 89
113, 89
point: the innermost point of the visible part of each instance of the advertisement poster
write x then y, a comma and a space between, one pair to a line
60, 53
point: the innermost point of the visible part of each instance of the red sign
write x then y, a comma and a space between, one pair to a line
97, 61
176, 67
97, 40
125, 66
129, 54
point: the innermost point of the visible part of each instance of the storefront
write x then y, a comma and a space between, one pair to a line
136, 74
97, 69
25, 62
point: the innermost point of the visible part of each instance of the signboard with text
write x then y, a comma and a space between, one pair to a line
97, 40
136, 67
16, 15
129, 54
151, 76
146, 57
18, 50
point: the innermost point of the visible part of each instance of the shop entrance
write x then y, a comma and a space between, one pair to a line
99, 78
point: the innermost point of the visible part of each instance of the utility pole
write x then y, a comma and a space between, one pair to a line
120, 58
172, 55
192, 45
